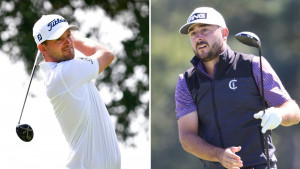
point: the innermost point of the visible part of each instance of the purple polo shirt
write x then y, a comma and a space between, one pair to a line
275, 93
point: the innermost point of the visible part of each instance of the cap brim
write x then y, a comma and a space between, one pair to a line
185, 28
61, 31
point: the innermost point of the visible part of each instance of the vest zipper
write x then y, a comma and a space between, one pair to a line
216, 114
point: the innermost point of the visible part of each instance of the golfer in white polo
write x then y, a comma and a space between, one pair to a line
78, 106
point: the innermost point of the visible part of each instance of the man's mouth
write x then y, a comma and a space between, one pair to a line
68, 48
201, 45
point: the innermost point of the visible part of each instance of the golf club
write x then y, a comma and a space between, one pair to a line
24, 131
250, 39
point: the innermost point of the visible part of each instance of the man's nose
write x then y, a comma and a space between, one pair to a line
199, 36
68, 40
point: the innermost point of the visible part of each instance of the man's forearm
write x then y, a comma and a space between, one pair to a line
291, 113
199, 147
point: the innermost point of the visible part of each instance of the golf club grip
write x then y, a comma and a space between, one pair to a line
266, 135
31, 76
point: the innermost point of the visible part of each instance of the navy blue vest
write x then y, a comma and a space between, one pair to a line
226, 106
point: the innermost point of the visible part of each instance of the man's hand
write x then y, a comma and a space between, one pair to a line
270, 120
229, 159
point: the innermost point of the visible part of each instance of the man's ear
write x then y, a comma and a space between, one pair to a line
225, 33
42, 48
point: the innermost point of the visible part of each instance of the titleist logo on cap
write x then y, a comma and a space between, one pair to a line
54, 22
197, 16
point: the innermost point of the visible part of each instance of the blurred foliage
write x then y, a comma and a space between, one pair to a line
19, 16
276, 22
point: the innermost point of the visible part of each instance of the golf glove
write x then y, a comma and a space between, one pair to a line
270, 120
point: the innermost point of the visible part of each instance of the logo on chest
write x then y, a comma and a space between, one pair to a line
233, 84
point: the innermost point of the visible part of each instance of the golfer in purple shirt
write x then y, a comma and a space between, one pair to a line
224, 95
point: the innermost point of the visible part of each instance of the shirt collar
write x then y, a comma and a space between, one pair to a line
46, 66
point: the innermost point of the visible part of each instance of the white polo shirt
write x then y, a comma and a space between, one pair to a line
81, 113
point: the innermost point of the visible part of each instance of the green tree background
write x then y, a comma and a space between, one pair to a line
277, 24
18, 17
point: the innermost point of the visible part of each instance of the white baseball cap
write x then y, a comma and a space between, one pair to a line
205, 15
50, 27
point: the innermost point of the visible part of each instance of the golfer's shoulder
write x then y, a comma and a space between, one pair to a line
245, 56
78, 69
67, 68
182, 77
77, 63
181, 83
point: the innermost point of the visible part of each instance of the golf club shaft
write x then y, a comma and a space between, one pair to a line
250, 39
31, 76
264, 106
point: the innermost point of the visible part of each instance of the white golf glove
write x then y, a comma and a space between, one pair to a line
270, 120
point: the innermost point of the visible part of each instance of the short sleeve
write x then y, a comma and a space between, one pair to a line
275, 93
79, 71
184, 101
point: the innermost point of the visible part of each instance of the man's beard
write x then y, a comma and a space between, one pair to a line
64, 55
62, 58
213, 53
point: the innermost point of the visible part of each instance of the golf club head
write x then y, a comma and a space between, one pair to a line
25, 132
249, 38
